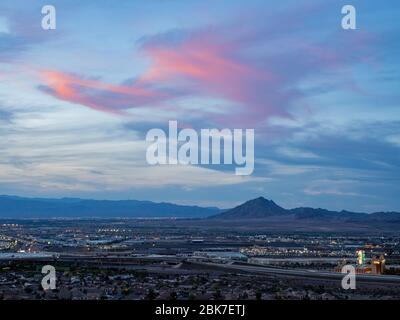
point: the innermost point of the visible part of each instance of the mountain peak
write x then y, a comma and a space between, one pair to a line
255, 208
261, 200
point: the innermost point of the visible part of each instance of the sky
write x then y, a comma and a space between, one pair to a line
76, 102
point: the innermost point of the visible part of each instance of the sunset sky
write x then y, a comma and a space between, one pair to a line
76, 102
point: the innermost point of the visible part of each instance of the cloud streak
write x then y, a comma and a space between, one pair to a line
257, 82
96, 94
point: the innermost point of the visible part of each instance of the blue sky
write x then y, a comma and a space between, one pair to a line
76, 102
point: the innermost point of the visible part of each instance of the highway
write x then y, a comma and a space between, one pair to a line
303, 273
140, 261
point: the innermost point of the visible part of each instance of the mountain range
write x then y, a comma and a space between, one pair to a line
262, 208
19, 207
253, 210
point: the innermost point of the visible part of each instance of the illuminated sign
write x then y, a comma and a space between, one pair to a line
360, 257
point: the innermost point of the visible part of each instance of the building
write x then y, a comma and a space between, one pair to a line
375, 266
360, 257
218, 256
378, 264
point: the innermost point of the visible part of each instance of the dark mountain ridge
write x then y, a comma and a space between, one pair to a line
256, 209
19, 207
261, 208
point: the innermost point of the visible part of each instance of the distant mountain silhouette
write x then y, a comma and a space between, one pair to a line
253, 210
262, 208
19, 207
257, 208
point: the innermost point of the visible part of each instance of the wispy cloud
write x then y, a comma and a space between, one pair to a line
257, 72
96, 94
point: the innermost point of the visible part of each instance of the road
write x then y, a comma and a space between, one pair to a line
303, 273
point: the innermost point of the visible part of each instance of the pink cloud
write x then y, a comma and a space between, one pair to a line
97, 94
214, 63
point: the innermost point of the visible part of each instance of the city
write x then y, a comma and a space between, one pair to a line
153, 259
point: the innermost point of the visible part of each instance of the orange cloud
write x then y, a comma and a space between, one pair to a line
96, 94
